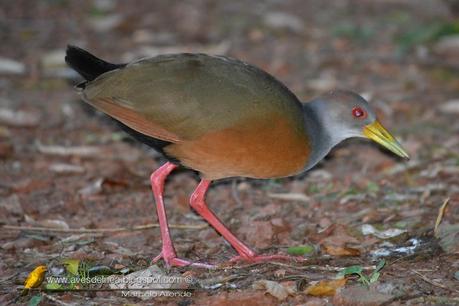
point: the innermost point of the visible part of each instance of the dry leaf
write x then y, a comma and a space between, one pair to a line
54, 224
368, 229
19, 118
337, 235
92, 189
325, 287
274, 288
340, 250
441, 213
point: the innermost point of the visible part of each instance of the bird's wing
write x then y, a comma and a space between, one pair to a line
181, 97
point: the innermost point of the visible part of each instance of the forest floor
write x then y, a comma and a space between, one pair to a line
75, 193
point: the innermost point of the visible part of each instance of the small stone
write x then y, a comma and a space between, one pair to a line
9, 66
450, 107
105, 24
280, 20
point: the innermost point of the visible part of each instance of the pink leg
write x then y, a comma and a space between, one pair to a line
168, 253
197, 202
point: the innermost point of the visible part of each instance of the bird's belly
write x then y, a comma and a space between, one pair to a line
258, 148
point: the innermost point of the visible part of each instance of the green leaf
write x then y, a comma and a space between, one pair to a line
300, 250
374, 277
376, 273
35, 300
71, 265
349, 271
363, 279
357, 270
380, 265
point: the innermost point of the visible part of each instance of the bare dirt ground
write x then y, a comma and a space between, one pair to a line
65, 167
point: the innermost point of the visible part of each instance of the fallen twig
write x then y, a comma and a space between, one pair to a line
100, 230
292, 196
433, 283
319, 268
441, 213
83, 151
302, 267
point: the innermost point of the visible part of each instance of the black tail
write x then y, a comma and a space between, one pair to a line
86, 64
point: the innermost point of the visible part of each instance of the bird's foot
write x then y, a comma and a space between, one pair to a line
171, 260
265, 258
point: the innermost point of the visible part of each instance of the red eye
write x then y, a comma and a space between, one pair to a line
358, 112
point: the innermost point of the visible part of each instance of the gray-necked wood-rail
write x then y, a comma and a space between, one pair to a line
223, 118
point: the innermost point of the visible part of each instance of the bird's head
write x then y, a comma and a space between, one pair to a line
345, 114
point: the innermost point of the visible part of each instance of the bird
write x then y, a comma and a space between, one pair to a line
223, 118
34, 279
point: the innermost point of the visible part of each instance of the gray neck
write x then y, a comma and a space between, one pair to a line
321, 142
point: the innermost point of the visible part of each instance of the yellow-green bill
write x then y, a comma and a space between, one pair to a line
376, 132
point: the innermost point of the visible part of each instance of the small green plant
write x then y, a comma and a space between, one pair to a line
358, 270
300, 250
425, 34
